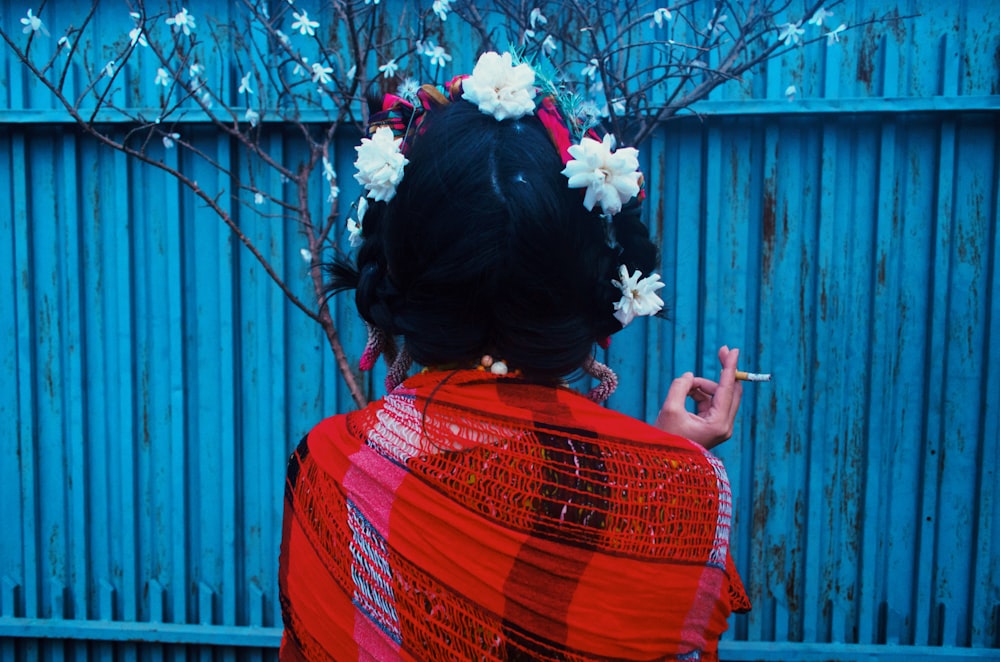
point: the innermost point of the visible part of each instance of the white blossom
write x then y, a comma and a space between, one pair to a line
537, 18
790, 92
109, 68
352, 72
196, 70
64, 42
321, 74
389, 69
590, 71
307, 256
821, 15
618, 105
328, 172
500, 88
282, 37
32, 23
162, 77
245, 84
550, 45
791, 33
168, 140
639, 295
300, 68
354, 227
258, 198
589, 112
182, 21
353, 232
303, 24
715, 24
252, 116
833, 36
439, 57
660, 15
380, 164
137, 36
610, 177
441, 8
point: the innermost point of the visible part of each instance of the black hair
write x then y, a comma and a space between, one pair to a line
485, 250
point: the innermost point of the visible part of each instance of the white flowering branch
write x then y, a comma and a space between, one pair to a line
634, 64
631, 64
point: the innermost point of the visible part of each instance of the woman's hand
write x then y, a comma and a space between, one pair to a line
716, 404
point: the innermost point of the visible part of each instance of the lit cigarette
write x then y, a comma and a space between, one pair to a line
752, 376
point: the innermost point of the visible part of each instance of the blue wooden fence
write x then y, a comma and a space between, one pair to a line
153, 380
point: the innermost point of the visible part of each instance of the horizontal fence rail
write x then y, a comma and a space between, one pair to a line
707, 108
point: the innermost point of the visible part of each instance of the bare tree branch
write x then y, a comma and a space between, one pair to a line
629, 64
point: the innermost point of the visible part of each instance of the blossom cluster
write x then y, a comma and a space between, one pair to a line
501, 88
380, 164
791, 33
639, 295
610, 176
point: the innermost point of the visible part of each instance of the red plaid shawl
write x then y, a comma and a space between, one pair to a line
470, 517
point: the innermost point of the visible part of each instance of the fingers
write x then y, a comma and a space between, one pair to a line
717, 403
730, 359
702, 392
678, 393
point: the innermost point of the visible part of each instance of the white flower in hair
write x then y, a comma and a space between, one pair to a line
354, 226
353, 232
500, 88
380, 164
639, 295
610, 177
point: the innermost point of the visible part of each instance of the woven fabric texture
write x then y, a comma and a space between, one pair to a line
467, 516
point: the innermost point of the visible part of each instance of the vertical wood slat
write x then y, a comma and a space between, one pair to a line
50, 452
883, 320
72, 387
985, 604
170, 237
935, 432
813, 626
229, 482
13, 320
26, 407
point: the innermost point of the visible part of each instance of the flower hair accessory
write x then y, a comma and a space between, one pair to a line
508, 91
355, 227
380, 164
500, 88
611, 177
638, 295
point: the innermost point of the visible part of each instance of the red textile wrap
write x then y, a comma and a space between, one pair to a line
471, 516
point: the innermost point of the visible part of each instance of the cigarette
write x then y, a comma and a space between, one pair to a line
752, 376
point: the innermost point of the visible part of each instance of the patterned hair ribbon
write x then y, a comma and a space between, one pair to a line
404, 118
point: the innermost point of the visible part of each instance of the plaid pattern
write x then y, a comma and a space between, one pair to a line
467, 516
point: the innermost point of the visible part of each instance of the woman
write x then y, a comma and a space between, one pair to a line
482, 510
